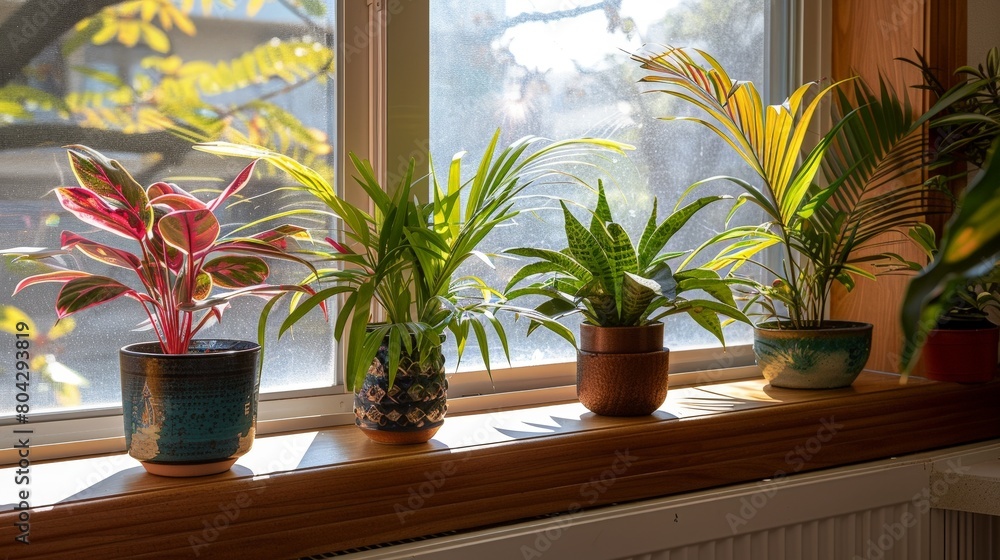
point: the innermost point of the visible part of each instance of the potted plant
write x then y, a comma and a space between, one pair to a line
400, 263
829, 233
962, 346
189, 405
968, 251
624, 291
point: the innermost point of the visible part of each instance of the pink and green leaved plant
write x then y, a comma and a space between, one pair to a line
178, 253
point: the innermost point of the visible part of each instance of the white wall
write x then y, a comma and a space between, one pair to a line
984, 28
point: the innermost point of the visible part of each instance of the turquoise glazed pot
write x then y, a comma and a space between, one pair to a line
189, 414
828, 357
413, 409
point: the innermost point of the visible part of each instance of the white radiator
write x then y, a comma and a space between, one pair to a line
877, 511
959, 535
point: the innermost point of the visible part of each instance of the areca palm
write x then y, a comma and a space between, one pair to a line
405, 256
876, 139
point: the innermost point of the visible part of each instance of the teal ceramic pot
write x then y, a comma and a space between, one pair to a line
189, 414
828, 357
413, 409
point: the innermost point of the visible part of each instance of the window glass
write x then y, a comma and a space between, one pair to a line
140, 81
560, 68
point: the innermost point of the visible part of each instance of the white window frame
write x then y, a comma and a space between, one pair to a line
377, 52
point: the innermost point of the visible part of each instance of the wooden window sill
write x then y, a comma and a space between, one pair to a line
307, 493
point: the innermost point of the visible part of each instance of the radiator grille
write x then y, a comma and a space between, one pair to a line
968, 536
339, 553
877, 534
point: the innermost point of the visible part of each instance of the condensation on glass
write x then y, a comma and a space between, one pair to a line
561, 68
266, 76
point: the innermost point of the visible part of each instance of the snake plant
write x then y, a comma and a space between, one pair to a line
614, 282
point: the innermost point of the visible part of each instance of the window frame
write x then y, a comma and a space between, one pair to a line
377, 39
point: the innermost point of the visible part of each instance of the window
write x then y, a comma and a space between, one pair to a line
139, 81
558, 69
127, 81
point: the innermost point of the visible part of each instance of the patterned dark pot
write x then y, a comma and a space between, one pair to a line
413, 409
960, 355
622, 371
829, 357
189, 414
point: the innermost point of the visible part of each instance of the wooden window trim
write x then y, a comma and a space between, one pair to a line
337, 490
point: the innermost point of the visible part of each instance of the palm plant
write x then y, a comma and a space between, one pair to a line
612, 282
405, 257
824, 231
969, 117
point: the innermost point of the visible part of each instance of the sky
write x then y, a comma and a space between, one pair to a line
544, 46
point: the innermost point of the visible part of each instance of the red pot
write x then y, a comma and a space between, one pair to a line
960, 355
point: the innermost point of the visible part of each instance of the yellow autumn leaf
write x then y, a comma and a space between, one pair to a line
130, 8
155, 38
254, 6
184, 23
108, 31
149, 9
10, 316
61, 328
128, 33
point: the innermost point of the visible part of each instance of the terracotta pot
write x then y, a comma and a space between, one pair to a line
413, 409
189, 414
622, 371
828, 357
960, 355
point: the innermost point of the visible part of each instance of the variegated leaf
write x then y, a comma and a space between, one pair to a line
100, 252
96, 211
237, 271
84, 292
59, 276
202, 286
193, 232
586, 250
238, 183
178, 202
107, 178
637, 293
656, 241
